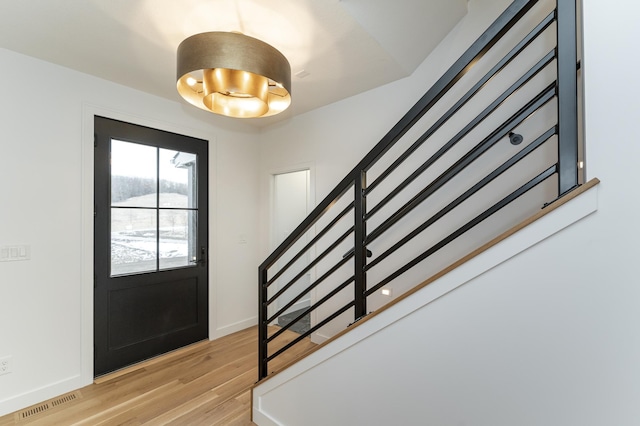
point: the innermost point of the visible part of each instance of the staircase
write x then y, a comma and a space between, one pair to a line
493, 142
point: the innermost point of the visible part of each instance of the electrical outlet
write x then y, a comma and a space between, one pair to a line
5, 365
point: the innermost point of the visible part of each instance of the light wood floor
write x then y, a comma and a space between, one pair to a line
208, 383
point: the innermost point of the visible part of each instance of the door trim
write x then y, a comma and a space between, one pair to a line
87, 273
271, 237
272, 177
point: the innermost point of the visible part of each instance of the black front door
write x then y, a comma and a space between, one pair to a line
150, 243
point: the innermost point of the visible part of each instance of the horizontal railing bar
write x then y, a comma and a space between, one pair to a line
482, 45
542, 63
460, 67
312, 307
545, 96
317, 238
312, 329
466, 195
315, 215
478, 219
315, 261
506, 60
310, 287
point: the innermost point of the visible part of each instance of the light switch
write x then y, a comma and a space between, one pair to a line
15, 253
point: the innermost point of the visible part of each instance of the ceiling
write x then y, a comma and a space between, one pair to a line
336, 48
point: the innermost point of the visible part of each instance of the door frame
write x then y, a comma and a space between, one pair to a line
272, 237
272, 179
87, 202
122, 292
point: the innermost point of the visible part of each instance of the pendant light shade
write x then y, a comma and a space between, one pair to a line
233, 74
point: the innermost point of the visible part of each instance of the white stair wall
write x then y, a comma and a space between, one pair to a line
490, 332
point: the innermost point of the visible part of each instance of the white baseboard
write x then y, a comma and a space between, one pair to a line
232, 328
318, 338
18, 402
262, 419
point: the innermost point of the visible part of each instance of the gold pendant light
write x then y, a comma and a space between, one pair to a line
234, 75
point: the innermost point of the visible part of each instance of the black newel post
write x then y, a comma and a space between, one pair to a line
262, 325
360, 250
567, 97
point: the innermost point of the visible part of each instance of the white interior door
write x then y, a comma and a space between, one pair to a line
291, 203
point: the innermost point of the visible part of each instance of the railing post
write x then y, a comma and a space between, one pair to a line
567, 97
262, 323
360, 250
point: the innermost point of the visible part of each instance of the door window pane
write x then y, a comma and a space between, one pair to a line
133, 174
133, 240
153, 208
177, 179
177, 238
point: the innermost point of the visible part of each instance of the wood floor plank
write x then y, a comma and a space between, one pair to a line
206, 384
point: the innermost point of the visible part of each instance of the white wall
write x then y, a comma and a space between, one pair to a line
46, 316
549, 337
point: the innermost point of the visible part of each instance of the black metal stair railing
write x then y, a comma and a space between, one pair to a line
416, 189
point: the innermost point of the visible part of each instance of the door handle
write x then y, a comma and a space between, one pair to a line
203, 257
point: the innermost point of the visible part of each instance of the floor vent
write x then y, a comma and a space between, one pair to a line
32, 411
64, 399
46, 406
